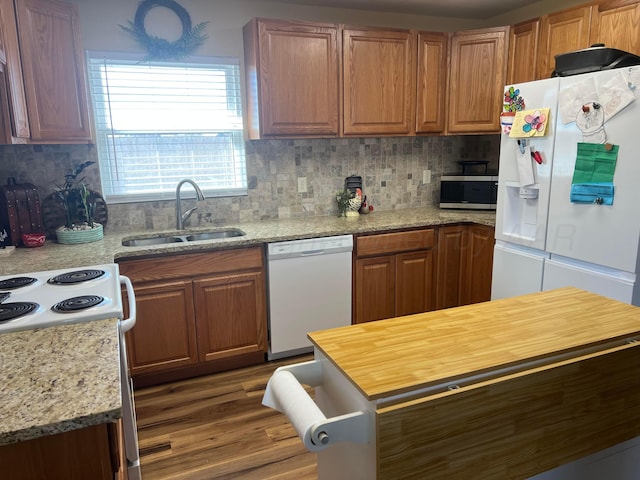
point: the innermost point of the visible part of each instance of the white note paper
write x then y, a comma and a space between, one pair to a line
525, 166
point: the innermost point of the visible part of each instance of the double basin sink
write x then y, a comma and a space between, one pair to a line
146, 241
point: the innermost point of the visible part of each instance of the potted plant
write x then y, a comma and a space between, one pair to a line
79, 206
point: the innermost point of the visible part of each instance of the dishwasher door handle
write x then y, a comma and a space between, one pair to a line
311, 253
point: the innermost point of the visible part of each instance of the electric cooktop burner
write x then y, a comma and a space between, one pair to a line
77, 276
74, 304
11, 311
16, 282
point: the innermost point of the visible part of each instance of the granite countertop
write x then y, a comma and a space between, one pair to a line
54, 256
59, 379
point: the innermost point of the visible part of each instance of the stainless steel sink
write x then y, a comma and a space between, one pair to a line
146, 242
174, 238
234, 232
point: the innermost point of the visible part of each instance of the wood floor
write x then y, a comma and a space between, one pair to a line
215, 427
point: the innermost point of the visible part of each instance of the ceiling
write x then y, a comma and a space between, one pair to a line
479, 9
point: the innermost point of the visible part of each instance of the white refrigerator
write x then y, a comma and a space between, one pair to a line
543, 239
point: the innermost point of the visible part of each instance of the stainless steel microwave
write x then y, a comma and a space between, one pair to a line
477, 192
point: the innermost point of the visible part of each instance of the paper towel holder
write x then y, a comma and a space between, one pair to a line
354, 427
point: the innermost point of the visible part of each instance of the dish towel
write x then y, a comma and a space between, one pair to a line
593, 174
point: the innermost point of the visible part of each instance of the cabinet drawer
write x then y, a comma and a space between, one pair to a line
395, 242
191, 264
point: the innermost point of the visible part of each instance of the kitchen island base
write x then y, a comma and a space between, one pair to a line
544, 386
511, 428
517, 426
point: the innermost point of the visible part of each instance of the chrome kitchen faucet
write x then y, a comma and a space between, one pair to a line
180, 217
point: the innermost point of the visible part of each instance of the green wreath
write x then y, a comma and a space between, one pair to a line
159, 48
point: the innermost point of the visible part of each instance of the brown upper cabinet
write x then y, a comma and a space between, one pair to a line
378, 81
534, 44
292, 78
3, 55
306, 79
14, 102
432, 81
561, 32
45, 72
616, 24
523, 51
321, 80
476, 79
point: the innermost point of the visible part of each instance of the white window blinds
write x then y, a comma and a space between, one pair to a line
158, 123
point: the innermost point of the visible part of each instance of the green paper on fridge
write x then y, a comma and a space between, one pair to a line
595, 163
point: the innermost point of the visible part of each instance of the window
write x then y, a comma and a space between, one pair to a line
158, 123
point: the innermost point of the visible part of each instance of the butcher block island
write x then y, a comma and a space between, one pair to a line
543, 386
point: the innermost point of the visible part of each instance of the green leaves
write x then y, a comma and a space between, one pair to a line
74, 197
343, 199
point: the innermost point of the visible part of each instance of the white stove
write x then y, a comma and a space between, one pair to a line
57, 297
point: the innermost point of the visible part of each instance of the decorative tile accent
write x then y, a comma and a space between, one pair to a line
391, 168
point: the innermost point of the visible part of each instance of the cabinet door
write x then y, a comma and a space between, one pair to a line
5, 119
476, 80
560, 33
164, 335
17, 118
523, 52
298, 78
432, 78
414, 282
477, 277
79, 454
374, 288
450, 265
230, 315
3, 55
615, 23
53, 70
378, 81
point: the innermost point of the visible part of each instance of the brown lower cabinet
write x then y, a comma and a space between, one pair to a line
87, 453
197, 313
416, 271
393, 274
464, 265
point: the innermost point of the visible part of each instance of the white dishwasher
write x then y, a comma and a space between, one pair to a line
309, 290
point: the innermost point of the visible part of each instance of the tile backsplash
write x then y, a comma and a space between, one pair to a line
391, 169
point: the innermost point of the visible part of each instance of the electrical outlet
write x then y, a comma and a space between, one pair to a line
426, 176
302, 184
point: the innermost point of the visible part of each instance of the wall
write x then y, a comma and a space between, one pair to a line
100, 20
391, 167
534, 9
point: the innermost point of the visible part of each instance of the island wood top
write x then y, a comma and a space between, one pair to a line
404, 354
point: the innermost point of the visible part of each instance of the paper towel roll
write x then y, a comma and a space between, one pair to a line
285, 394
